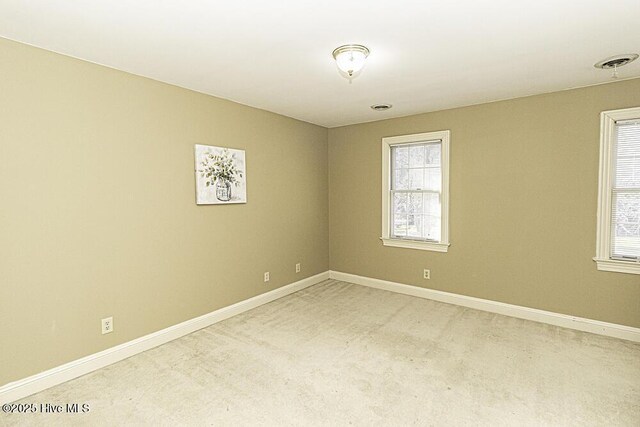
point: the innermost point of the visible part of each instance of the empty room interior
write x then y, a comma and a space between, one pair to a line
320, 213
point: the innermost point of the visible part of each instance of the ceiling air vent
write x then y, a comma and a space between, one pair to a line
381, 107
616, 61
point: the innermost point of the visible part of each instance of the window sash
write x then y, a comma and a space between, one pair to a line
394, 215
393, 190
624, 247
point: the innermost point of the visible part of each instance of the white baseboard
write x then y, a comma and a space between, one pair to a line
563, 320
35, 383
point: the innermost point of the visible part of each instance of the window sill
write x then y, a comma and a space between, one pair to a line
616, 266
415, 244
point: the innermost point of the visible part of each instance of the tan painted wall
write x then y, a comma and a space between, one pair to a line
524, 177
98, 213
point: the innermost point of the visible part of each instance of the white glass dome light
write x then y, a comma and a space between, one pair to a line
350, 58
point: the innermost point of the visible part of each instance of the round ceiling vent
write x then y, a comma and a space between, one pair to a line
616, 61
381, 107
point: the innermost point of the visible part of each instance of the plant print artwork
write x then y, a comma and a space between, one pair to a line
220, 175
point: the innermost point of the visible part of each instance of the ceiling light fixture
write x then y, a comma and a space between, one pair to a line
614, 62
350, 59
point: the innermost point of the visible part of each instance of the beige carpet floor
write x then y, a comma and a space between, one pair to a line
342, 354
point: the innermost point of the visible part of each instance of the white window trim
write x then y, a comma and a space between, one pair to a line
443, 245
603, 258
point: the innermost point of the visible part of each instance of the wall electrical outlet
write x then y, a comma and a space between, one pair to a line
266, 277
298, 268
426, 274
107, 325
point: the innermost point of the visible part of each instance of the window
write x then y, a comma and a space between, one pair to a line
415, 191
618, 239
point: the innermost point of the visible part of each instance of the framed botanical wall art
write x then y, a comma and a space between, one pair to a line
221, 176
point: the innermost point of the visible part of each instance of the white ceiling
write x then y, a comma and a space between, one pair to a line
276, 55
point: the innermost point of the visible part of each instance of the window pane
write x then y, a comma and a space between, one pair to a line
415, 203
431, 204
400, 203
628, 139
400, 179
400, 225
626, 225
433, 179
416, 156
400, 157
414, 226
432, 227
628, 171
416, 179
433, 153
